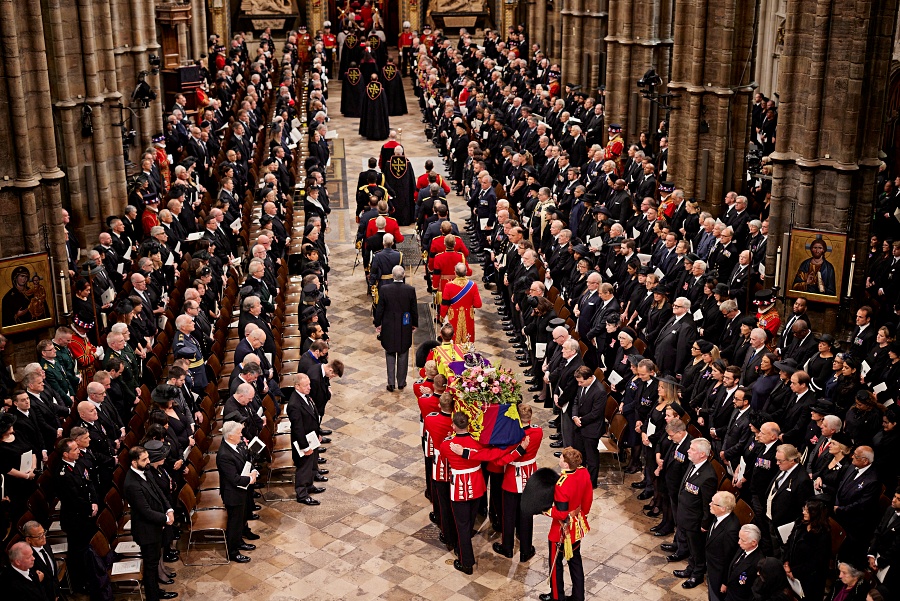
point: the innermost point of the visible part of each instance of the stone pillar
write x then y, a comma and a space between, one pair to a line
198, 28
639, 37
573, 25
537, 23
711, 75
833, 77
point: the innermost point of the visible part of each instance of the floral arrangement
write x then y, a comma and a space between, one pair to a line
487, 386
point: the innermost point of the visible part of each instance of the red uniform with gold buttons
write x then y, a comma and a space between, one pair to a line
572, 498
443, 268
439, 426
83, 352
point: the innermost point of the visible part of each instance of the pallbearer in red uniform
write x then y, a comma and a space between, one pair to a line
329, 43
439, 426
467, 482
437, 245
572, 500
427, 381
459, 299
429, 403
514, 479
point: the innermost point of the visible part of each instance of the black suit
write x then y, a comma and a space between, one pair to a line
77, 495
47, 566
788, 495
742, 574
590, 406
565, 388
304, 420
885, 545
17, 587
694, 496
721, 544
397, 315
148, 518
857, 506
675, 466
750, 365
233, 488
673, 345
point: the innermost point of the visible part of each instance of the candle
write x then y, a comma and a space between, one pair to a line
850, 281
778, 268
62, 288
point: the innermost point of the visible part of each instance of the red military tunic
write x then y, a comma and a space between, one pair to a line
149, 220
572, 500
83, 352
405, 41
419, 387
437, 246
443, 268
422, 182
466, 478
518, 472
390, 227
303, 44
428, 404
162, 162
614, 149
458, 306
439, 426
770, 321
329, 41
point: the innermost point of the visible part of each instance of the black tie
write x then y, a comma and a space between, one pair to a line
48, 561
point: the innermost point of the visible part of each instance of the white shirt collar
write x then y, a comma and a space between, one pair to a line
862, 470
24, 573
139, 473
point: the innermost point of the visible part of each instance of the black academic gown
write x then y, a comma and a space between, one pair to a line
373, 115
351, 92
401, 181
393, 85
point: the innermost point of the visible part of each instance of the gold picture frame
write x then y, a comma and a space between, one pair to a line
816, 265
26, 293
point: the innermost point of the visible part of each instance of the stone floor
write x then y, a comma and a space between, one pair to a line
371, 537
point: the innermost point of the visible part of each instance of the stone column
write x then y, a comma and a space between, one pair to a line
711, 75
537, 23
198, 28
833, 77
573, 25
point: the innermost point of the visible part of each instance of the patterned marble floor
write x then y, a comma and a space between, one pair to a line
371, 537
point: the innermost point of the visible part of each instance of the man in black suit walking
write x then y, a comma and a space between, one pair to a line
150, 513
694, 496
856, 505
304, 440
721, 542
786, 495
235, 478
675, 466
673, 344
396, 318
588, 415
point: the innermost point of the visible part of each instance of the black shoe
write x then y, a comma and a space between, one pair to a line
169, 581
253, 516
434, 518
557, 454
674, 557
523, 363
546, 597
256, 507
442, 538
308, 501
666, 532
390, 388
632, 470
682, 573
531, 381
645, 495
256, 495
326, 440
399, 388
692, 582
246, 547
553, 423
239, 558
315, 490
326, 432
556, 445
670, 547
640, 484
322, 460
171, 557
528, 372
498, 548
535, 388
322, 472
250, 535
555, 436
318, 478
172, 595
459, 566
526, 555
648, 507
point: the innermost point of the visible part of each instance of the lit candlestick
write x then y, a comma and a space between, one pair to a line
850, 281
62, 288
778, 268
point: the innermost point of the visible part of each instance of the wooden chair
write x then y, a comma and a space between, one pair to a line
743, 512
128, 583
609, 444
209, 524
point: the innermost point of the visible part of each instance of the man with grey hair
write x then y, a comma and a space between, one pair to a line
673, 343
235, 487
750, 366
383, 262
742, 568
856, 504
21, 579
396, 318
185, 346
694, 499
44, 560
304, 418
722, 541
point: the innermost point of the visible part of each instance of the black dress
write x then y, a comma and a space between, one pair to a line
808, 554
690, 378
17, 489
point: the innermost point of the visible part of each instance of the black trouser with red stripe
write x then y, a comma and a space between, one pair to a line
576, 571
441, 490
515, 521
464, 513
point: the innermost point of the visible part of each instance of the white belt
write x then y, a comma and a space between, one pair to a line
471, 470
531, 461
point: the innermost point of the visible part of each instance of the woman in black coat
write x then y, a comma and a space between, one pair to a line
863, 419
808, 550
827, 479
659, 313
886, 445
577, 282
536, 328
772, 583
820, 366
847, 385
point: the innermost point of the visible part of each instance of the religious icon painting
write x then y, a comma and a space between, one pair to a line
26, 290
816, 265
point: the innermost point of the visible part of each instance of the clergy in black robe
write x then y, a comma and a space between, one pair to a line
373, 115
379, 49
401, 183
351, 52
393, 86
351, 91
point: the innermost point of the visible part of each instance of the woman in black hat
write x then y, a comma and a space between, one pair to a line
629, 390
863, 418
659, 313
19, 485
703, 410
709, 354
768, 379
634, 289
848, 384
819, 366
827, 479
691, 375
713, 320
536, 330
621, 364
